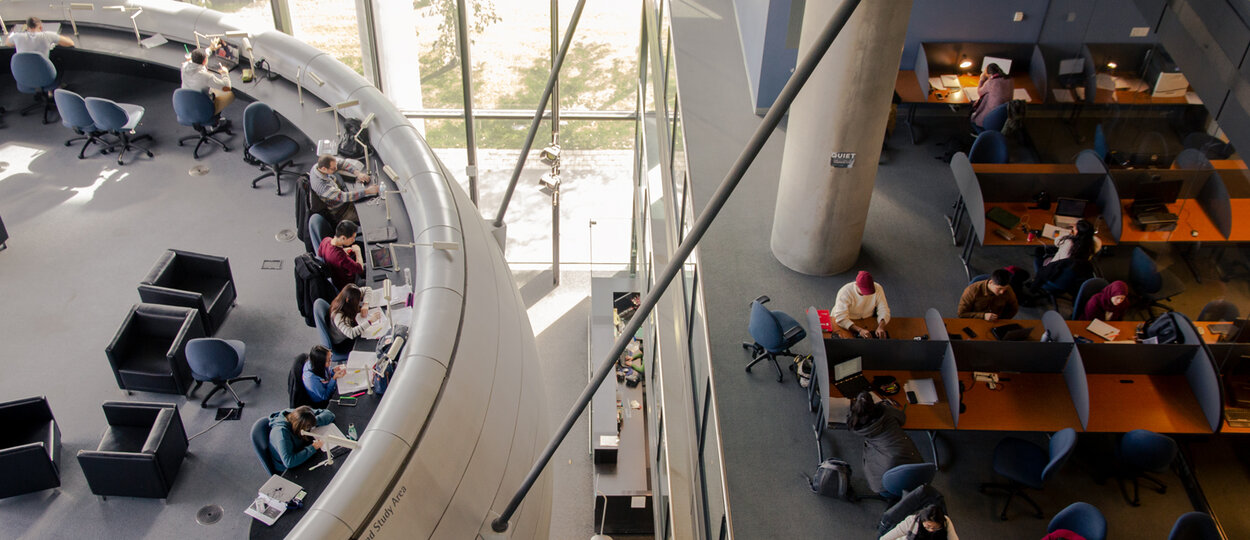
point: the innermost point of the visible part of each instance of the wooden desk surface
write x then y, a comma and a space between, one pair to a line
1025, 168
1034, 219
1128, 330
982, 327
904, 328
908, 89
1228, 164
1159, 403
936, 416
1190, 218
1240, 231
1023, 402
1129, 97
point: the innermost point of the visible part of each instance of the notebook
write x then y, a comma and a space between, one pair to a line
1002, 217
848, 377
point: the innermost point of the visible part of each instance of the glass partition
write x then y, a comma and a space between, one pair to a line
329, 25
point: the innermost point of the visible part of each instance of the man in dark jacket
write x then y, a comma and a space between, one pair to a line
885, 444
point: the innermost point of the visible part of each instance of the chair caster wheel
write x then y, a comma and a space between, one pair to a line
180, 143
748, 369
150, 154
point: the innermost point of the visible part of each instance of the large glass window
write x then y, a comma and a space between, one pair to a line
329, 25
253, 15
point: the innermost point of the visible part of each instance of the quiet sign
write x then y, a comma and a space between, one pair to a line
842, 160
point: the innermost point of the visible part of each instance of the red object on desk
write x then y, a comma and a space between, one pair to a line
826, 322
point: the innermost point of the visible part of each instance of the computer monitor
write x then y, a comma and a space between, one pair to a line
1158, 191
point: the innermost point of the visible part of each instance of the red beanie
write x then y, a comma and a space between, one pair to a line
865, 284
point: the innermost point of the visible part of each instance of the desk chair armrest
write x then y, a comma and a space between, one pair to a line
794, 332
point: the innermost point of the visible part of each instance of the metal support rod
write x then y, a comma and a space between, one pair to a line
555, 141
538, 114
775, 113
466, 83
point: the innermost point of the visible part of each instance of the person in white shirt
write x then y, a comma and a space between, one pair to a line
196, 76
929, 523
861, 299
35, 39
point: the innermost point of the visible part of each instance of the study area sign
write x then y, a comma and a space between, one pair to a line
842, 160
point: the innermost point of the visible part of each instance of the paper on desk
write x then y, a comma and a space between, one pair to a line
924, 390
1020, 93
1071, 66
1103, 330
357, 377
155, 41
1192, 98
1104, 82
328, 429
1080, 93
950, 81
972, 93
1062, 95
399, 295
610, 441
1052, 232
935, 83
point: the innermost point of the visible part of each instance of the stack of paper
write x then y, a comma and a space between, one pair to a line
924, 391
972, 93
1103, 330
950, 81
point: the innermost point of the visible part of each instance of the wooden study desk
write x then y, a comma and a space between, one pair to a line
925, 417
982, 327
909, 328
1022, 402
898, 328
1191, 218
1240, 231
1159, 403
1025, 168
908, 89
1128, 329
1033, 219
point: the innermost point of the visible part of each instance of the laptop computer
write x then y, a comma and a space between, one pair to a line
848, 377
1069, 211
1011, 332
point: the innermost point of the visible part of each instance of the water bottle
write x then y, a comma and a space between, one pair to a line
351, 431
407, 276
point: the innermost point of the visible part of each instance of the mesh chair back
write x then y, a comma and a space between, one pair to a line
989, 147
996, 118
1147, 450
212, 359
763, 327
193, 107
260, 443
32, 72
1081, 518
1194, 526
1219, 310
318, 229
107, 114
73, 111
1091, 287
1061, 445
1143, 275
259, 121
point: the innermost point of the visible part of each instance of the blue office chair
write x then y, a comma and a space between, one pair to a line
1088, 289
1081, 518
194, 108
120, 119
989, 147
74, 115
978, 277
1027, 465
321, 318
993, 120
1142, 452
1192, 160
219, 361
1100, 143
1068, 282
1151, 284
903, 478
1194, 526
35, 74
773, 333
318, 229
272, 149
260, 443
1219, 310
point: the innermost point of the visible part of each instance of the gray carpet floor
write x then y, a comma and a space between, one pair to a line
766, 430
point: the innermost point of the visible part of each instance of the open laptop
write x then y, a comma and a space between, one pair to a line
1069, 211
848, 377
1011, 332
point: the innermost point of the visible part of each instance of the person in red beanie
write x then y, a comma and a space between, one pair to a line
861, 299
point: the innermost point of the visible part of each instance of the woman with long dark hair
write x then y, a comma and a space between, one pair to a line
1075, 247
320, 379
288, 446
885, 444
928, 523
344, 310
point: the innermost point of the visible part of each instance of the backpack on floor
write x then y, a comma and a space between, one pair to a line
832, 479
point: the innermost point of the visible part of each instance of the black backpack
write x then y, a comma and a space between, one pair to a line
312, 281
832, 479
1162, 327
348, 147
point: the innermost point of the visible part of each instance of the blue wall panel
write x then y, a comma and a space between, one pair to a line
985, 21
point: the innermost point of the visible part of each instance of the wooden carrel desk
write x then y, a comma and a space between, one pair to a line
1033, 219
1159, 403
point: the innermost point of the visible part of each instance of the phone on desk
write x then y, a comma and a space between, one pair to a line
971, 334
347, 401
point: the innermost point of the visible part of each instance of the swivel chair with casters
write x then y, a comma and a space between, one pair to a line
321, 317
1088, 289
1194, 526
1219, 310
1140, 453
901, 479
261, 126
194, 108
1027, 465
73, 110
993, 120
194, 280
30, 452
140, 452
219, 361
148, 354
260, 443
35, 74
1068, 282
119, 119
1153, 286
989, 147
1081, 518
773, 333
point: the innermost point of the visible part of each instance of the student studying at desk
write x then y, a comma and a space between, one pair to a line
325, 180
342, 255
196, 76
346, 312
990, 299
886, 445
321, 380
861, 299
994, 88
288, 446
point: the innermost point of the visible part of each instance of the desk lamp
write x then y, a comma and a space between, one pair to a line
299, 82
965, 63
383, 191
356, 137
327, 438
338, 131
69, 8
133, 24
4, 29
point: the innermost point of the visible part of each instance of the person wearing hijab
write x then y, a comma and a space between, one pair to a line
861, 299
1109, 305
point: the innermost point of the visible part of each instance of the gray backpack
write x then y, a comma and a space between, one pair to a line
832, 479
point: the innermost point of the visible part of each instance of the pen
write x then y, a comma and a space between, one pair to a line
357, 394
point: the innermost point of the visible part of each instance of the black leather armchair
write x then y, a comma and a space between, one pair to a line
30, 447
140, 452
183, 278
148, 353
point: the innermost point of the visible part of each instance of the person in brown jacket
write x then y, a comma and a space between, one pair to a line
989, 299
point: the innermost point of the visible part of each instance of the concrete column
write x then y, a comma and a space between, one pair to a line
818, 224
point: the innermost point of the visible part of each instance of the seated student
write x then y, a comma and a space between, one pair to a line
1110, 304
320, 379
288, 446
342, 255
885, 444
196, 76
349, 303
328, 185
994, 88
990, 299
861, 299
1078, 244
35, 39
928, 523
